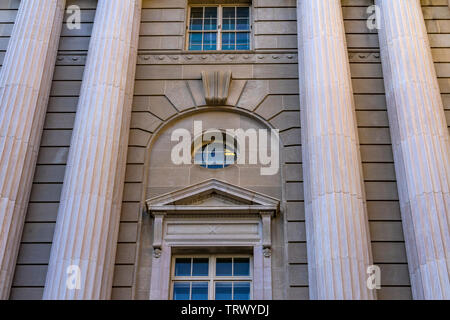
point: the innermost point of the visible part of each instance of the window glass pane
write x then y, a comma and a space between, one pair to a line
210, 12
214, 154
242, 41
224, 267
196, 12
228, 41
243, 24
183, 267
229, 24
243, 18
229, 21
181, 290
199, 291
200, 267
223, 290
210, 24
243, 12
196, 24
210, 18
195, 41
229, 12
209, 41
241, 291
241, 267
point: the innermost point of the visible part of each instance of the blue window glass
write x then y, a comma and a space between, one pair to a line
209, 41
242, 24
200, 267
229, 41
229, 18
242, 12
243, 18
213, 155
210, 18
241, 291
181, 291
199, 291
224, 290
203, 28
210, 12
183, 267
196, 19
195, 41
224, 267
196, 24
241, 267
242, 41
217, 152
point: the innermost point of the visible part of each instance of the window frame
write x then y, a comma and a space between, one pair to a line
212, 278
219, 30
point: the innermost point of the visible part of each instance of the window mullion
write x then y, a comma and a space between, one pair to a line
232, 290
211, 275
219, 27
232, 267
203, 27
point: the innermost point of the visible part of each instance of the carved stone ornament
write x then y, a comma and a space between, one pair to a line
216, 85
157, 252
267, 252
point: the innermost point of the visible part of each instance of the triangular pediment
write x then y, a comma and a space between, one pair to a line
213, 195
211, 199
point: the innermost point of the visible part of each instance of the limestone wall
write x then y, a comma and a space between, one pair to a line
265, 87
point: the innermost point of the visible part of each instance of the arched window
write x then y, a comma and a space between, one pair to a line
215, 150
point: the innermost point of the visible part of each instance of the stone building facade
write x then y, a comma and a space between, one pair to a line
94, 207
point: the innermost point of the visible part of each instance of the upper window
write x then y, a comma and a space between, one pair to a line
215, 277
219, 28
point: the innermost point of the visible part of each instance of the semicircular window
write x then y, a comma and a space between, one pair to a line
215, 150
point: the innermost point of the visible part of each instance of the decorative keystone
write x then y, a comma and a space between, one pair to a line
216, 85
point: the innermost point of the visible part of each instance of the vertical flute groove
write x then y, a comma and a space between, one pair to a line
420, 144
25, 83
89, 213
336, 219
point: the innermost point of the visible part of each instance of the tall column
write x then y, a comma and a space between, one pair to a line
84, 243
25, 83
420, 143
336, 218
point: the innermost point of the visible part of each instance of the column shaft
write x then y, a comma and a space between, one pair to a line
25, 83
336, 218
89, 213
420, 143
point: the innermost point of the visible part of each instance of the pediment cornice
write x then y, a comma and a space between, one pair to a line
213, 196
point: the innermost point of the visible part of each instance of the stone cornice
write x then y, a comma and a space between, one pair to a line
214, 58
166, 58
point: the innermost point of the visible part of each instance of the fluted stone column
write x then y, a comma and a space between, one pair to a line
25, 83
420, 143
336, 218
88, 217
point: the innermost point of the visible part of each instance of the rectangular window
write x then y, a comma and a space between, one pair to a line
219, 28
215, 277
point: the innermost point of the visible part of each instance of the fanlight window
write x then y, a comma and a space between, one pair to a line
217, 150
